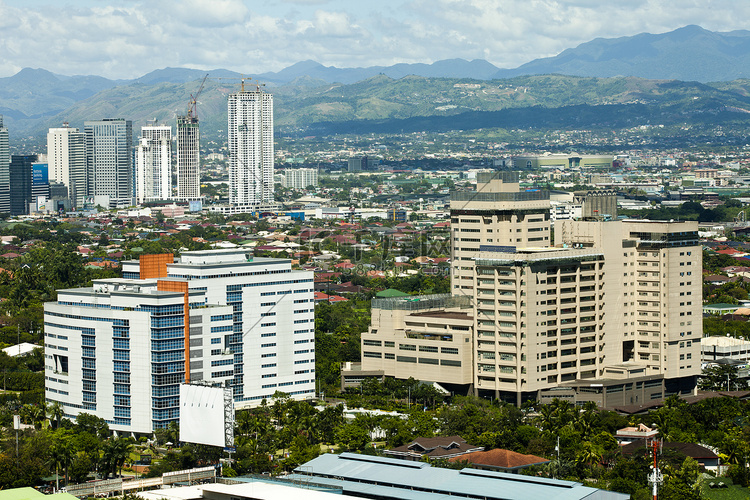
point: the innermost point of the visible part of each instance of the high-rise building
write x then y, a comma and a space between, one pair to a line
300, 178
250, 141
220, 316
4, 169
153, 166
614, 303
21, 180
66, 156
109, 161
188, 158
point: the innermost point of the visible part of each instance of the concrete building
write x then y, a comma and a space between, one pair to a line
653, 285
357, 164
715, 349
272, 336
562, 162
497, 217
300, 178
120, 349
109, 161
188, 158
601, 203
426, 337
612, 300
153, 164
4, 169
250, 141
66, 156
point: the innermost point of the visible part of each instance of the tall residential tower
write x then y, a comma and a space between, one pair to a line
4, 169
188, 158
109, 160
153, 167
250, 140
66, 155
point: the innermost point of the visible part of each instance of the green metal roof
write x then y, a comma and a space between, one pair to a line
391, 292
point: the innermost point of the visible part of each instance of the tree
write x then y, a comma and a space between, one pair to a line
56, 413
116, 451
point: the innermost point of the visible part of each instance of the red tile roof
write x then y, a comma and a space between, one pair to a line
501, 459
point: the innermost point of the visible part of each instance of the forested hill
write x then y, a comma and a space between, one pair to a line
384, 104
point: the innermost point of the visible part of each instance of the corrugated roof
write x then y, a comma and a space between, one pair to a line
394, 478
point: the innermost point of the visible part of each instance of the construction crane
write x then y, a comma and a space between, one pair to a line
192, 107
242, 81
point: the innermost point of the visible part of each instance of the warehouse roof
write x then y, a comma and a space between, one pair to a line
377, 477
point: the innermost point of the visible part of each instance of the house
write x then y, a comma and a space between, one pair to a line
500, 460
627, 435
701, 454
444, 447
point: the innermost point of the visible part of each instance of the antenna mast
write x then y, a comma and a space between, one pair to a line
655, 477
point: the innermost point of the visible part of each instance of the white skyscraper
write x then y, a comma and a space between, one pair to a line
250, 138
153, 167
109, 161
4, 169
66, 156
188, 158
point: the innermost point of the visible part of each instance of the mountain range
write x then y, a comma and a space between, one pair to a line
647, 68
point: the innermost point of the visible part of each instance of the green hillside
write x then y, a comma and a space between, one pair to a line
382, 104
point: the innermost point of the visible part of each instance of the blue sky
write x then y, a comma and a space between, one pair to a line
128, 38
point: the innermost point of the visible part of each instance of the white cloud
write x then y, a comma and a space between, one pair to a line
128, 39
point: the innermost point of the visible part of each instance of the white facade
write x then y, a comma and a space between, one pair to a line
66, 156
300, 178
273, 333
109, 160
250, 141
188, 158
153, 166
4, 169
117, 350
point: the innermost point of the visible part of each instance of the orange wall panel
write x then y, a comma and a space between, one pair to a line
155, 265
182, 287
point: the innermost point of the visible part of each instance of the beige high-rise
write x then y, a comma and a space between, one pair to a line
607, 294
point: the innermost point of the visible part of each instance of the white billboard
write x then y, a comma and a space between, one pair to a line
206, 415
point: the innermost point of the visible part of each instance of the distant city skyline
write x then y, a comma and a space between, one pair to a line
119, 39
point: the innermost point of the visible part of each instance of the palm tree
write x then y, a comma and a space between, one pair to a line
56, 413
116, 451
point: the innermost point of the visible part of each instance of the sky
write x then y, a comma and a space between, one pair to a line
129, 38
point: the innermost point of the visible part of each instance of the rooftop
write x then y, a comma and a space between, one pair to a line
377, 477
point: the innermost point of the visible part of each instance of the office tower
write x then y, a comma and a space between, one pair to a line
66, 156
497, 217
4, 169
188, 158
126, 367
300, 178
153, 166
250, 140
109, 161
357, 164
39, 183
655, 287
250, 325
610, 314
21, 179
